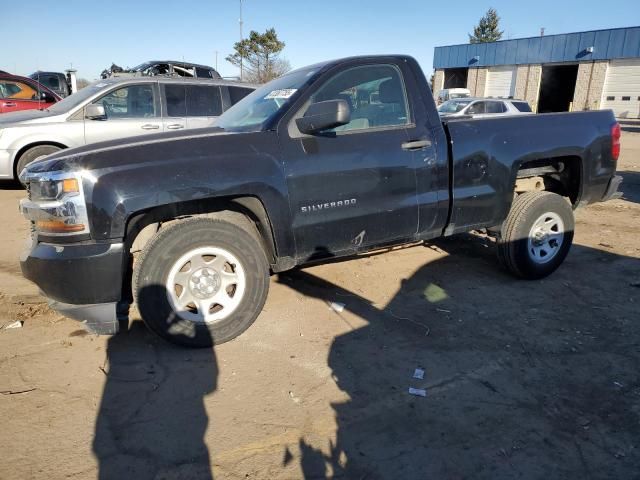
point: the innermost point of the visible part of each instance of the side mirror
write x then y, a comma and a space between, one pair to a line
324, 116
47, 97
94, 111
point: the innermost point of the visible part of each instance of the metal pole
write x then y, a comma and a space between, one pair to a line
240, 21
216, 60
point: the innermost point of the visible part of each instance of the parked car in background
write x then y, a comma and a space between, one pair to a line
451, 93
113, 109
21, 93
483, 107
57, 82
163, 67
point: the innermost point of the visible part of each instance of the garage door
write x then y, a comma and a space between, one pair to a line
622, 88
501, 82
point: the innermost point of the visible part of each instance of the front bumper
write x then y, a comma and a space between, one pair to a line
83, 281
612, 189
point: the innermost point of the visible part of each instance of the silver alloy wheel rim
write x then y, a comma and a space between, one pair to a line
545, 238
206, 285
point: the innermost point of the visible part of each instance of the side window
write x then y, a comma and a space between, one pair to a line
375, 93
238, 93
203, 72
494, 107
134, 101
203, 101
17, 90
176, 99
52, 81
522, 106
476, 108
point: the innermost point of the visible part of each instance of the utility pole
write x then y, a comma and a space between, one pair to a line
216, 60
542, 31
240, 22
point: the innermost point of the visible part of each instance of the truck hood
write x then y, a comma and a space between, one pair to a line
27, 117
147, 151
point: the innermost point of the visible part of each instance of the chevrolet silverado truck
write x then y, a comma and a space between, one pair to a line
331, 160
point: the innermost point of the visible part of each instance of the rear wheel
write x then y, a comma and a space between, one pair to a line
202, 281
33, 154
537, 234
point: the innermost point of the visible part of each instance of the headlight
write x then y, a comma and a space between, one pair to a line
56, 204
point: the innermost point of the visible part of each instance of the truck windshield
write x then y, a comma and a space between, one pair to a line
453, 106
255, 111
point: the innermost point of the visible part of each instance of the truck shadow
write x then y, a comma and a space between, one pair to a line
152, 418
630, 186
519, 375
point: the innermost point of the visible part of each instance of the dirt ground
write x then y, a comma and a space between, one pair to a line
523, 379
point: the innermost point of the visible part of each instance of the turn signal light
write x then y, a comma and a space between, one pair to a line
57, 226
70, 185
615, 141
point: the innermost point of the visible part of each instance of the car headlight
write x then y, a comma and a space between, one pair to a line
56, 204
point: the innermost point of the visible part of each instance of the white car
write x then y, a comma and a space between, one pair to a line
451, 93
111, 109
483, 107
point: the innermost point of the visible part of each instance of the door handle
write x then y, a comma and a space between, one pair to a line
175, 126
416, 145
149, 126
9, 104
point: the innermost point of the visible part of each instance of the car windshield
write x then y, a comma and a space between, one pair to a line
255, 111
453, 106
77, 98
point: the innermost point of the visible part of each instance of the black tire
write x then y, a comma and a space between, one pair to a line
32, 154
231, 232
517, 251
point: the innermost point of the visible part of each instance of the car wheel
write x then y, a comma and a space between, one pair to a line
33, 154
537, 234
202, 281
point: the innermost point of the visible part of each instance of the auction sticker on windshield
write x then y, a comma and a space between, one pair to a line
284, 93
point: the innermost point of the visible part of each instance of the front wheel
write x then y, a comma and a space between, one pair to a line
202, 281
537, 234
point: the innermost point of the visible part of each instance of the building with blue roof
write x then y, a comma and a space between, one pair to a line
598, 69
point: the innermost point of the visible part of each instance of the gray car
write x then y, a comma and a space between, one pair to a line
112, 109
483, 107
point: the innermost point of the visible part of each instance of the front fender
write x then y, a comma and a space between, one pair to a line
201, 169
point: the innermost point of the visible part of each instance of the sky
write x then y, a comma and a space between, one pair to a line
90, 35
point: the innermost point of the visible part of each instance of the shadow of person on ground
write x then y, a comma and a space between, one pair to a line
152, 418
518, 374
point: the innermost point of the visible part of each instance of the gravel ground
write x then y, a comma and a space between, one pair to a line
522, 379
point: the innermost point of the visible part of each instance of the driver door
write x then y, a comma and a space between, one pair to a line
354, 187
130, 111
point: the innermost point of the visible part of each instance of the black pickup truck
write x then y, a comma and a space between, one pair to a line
327, 161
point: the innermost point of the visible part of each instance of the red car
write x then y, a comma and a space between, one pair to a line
20, 93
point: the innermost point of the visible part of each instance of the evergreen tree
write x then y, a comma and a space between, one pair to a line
259, 57
487, 29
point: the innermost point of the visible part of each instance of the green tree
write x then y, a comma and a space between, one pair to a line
259, 56
487, 29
